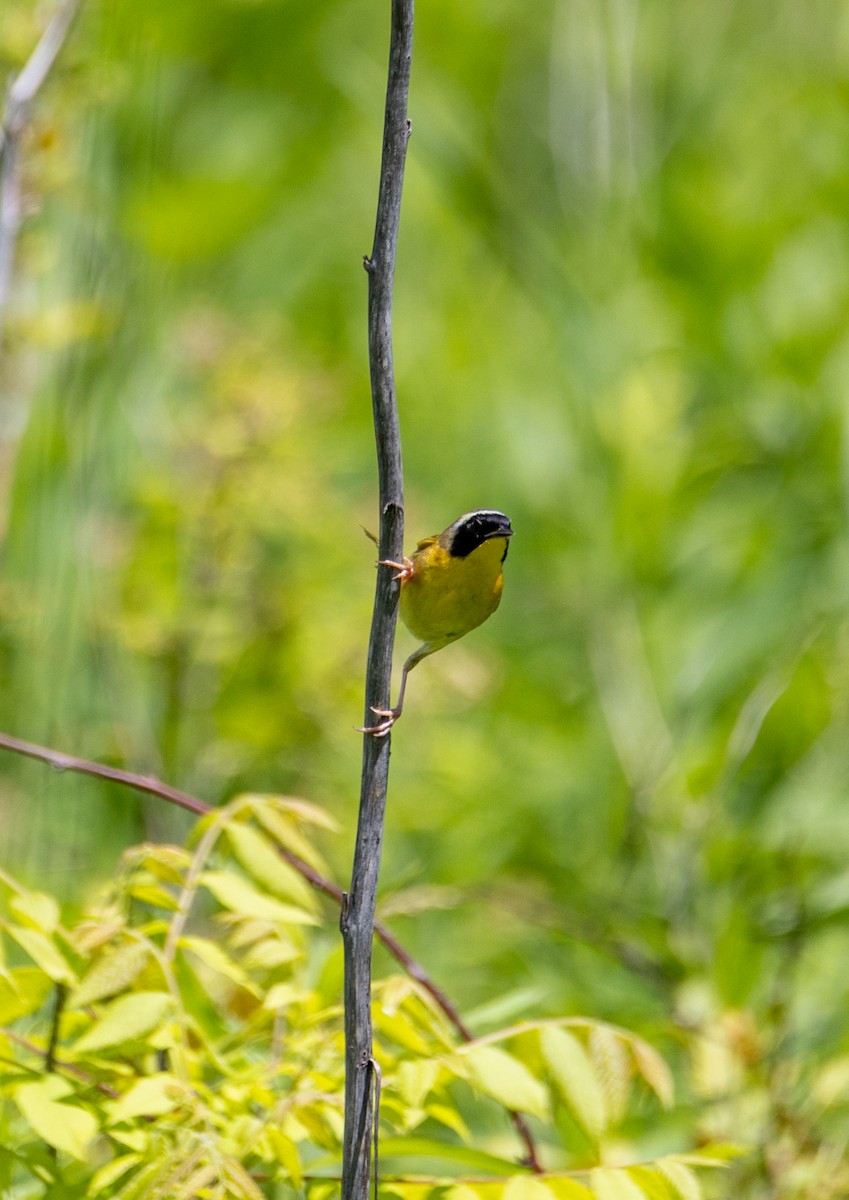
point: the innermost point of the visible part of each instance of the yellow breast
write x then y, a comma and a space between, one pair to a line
446, 597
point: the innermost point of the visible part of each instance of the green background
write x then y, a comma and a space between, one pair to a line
621, 317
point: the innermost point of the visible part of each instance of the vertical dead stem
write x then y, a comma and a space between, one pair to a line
357, 922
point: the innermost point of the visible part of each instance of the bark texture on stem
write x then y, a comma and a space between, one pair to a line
357, 923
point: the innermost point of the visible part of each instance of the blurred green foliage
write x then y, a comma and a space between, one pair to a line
621, 317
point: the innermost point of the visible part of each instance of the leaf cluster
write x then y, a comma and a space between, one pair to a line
183, 1038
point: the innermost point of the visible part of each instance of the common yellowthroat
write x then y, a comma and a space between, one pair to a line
450, 586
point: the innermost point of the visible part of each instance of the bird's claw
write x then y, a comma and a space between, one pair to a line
405, 569
390, 716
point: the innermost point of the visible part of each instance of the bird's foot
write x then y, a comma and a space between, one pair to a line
390, 716
405, 569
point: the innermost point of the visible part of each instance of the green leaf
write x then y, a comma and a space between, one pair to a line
264, 864
526, 1187
608, 1184
467, 1157
284, 829
290, 806
239, 896
404, 1189
36, 910
151, 893
237, 1181
574, 1078
714, 1154
685, 1183
613, 1068
398, 1027
498, 1074
567, 1189
111, 1172
653, 1070
165, 862
215, 958
126, 1019
23, 990
149, 1097
269, 953
653, 1185
113, 971
44, 953
450, 1118
63, 1126
460, 1191
282, 995
135, 1139
415, 1079
324, 1191
286, 1153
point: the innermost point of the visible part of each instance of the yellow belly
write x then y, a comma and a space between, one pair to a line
447, 597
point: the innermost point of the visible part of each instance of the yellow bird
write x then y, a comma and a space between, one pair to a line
450, 586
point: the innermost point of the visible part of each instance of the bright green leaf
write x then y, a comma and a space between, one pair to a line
23, 990
685, 1183
284, 830
651, 1183
149, 1097
126, 1019
714, 1154
238, 1182
137, 1140
608, 1184
653, 1069
165, 862
270, 953
526, 1187
501, 1076
265, 865
567, 1189
290, 806
110, 1173
151, 893
408, 1189
574, 1078
63, 1126
282, 995
44, 953
460, 1191
467, 1157
613, 1068
239, 896
415, 1079
113, 971
398, 1027
286, 1153
214, 957
36, 910
450, 1118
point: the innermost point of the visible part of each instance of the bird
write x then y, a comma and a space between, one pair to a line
449, 586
